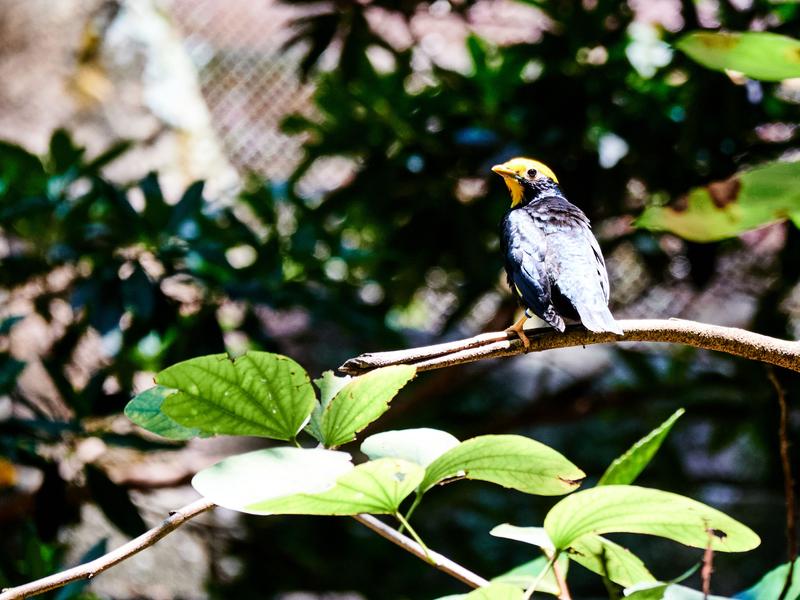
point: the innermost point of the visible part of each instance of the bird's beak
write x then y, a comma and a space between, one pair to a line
503, 171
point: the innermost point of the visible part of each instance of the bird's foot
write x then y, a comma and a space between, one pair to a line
518, 328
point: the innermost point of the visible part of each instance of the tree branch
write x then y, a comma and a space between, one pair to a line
439, 561
90, 569
739, 342
182, 515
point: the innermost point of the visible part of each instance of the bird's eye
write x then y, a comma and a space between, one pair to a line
532, 173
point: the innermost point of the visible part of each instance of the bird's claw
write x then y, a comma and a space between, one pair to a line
518, 328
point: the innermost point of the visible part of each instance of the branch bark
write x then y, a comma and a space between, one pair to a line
90, 569
739, 342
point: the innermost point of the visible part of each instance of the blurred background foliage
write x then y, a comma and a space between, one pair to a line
106, 280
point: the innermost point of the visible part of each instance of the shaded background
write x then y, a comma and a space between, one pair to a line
348, 207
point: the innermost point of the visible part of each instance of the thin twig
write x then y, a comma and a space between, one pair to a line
738, 342
182, 515
93, 568
708, 565
442, 563
563, 590
788, 482
551, 560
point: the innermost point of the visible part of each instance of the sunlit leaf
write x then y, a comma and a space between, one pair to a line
724, 209
759, 55
494, 591
145, 410
632, 509
668, 591
421, 446
259, 393
608, 559
329, 385
536, 536
512, 461
525, 575
360, 402
591, 551
626, 468
376, 487
239, 481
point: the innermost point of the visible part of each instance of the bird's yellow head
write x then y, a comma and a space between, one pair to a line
517, 171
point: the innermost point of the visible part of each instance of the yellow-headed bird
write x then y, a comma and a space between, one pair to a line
552, 259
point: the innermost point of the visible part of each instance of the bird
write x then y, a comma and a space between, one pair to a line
553, 262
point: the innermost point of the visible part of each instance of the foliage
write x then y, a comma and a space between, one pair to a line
765, 56
413, 218
325, 482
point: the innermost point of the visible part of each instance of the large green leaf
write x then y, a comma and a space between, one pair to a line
610, 560
512, 461
725, 209
632, 509
591, 551
772, 583
759, 55
145, 410
376, 487
359, 403
526, 574
421, 446
626, 468
259, 393
241, 480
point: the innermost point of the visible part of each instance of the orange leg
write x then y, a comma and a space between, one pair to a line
518, 329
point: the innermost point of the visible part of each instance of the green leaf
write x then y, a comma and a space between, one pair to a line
329, 385
632, 509
259, 393
421, 446
376, 487
535, 536
610, 560
145, 410
360, 402
591, 551
771, 584
525, 575
725, 209
494, 591
242, 480
626, 468
512, 461
759, 55
668, 591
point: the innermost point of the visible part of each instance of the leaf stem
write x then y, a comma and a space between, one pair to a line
440, 561
411, 509
414, 535
529, 592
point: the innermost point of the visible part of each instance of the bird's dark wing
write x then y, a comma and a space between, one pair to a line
525, 249
575, 262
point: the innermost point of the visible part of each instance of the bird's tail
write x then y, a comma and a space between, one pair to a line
598, 318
